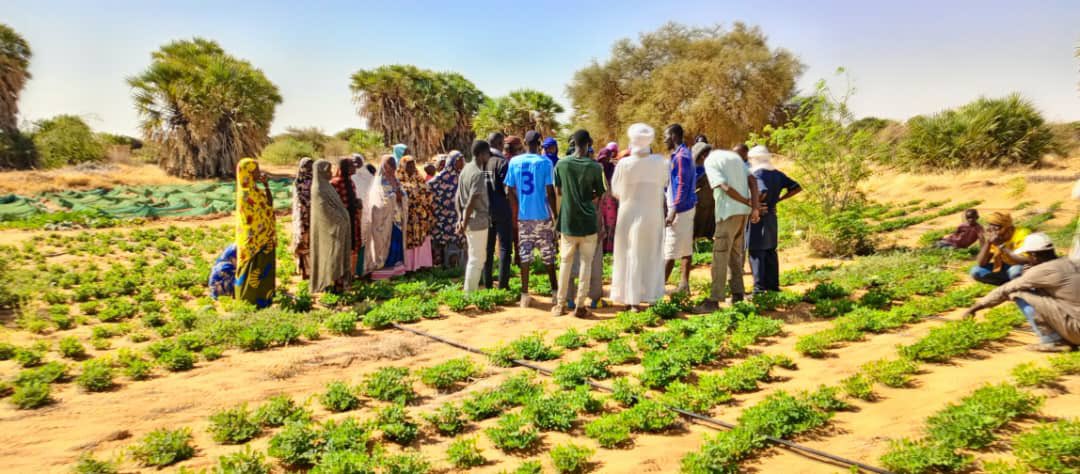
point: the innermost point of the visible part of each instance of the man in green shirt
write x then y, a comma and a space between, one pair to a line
579, 183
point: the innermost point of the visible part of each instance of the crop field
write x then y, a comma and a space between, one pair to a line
116, 360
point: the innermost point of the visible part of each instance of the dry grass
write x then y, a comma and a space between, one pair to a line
84, 177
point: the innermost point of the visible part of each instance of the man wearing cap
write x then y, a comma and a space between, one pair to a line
998, 260
762, 238
551, 150
681, 200
579, 182
1048, 294
530, 187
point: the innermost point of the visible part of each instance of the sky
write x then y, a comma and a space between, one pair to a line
903, 58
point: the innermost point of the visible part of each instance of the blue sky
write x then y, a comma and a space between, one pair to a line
905, 58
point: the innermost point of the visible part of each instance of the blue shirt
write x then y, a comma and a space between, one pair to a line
771, 183
681, 196
530, 175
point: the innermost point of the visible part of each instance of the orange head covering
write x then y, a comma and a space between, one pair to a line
1002, 219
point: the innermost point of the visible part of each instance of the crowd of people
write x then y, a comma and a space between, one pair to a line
515, 199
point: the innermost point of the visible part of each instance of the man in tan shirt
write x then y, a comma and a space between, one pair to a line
1048, 293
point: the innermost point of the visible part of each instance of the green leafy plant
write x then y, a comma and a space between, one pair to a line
446, 375
970, 423
1051, 447
71, 348
396, 425
512, 433
591, 366
343, 323
247, 461
96, 376
858, 386
1031, 374
177, 359
296, 444
533, 347
610, 431
571, 339
894, 373
279, 410
483, 404
408, 463
447, 419
555, 412
339, 397
781, 415
626, 392
911, 457
649, 416
464, 453
234, 425
619, 351
32, 394
87, 464
390, 384
570, 458
163, 447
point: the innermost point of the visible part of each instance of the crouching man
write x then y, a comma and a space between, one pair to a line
1048, 293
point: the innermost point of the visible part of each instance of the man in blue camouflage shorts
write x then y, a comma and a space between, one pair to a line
529, 185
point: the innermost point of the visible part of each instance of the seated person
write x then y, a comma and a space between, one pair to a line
966, 234
1048, 293
998, 260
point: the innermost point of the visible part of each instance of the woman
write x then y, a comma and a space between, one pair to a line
444, 236
343, 184
255, 236
774, 186
385, 242
301, 218
223, 274
609, 206
639, 182
331, 234
420, 214
362, 178
399, 152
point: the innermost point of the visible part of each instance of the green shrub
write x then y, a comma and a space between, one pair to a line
65, 140
338, 462
71, 348
626, 392
234, 425
571, 339
177, 360
603, 332
722, 453
28, 357
1051, 447
781, 415
247, 461
619, 351
553, 412
389, 384
48, 373
519, 389
571, 374
96, 376
970, 423
396, 425
296, 444
448, 374
914, 457
533, 347
463, 454
512, 433
343, 323
826, 399
279, 410
345, 435
483, 404
570, 458
984, 133
894, 373
529, 467
401, 310
32, 394
286, 151
858, 386
610, 431
649, 416
163, 447
1031, 374
825, 291
87, 464
339, 397
447, 419
410, 463
1067, 363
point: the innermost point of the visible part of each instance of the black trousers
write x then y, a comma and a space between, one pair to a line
505, 233
766, 268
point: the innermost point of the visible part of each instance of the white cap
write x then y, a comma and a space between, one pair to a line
759, 151
1036, 242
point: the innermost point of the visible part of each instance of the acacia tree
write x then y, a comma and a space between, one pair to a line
202, 109
723, 83
518, 112
14, 71
427, 110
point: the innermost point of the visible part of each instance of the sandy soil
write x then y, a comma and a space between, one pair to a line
50, 439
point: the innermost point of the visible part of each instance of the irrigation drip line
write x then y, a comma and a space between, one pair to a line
706, 421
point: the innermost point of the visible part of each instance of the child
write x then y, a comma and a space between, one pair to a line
965, 235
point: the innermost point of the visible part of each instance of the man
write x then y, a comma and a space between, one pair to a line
514, 147
998, 260
551, 150
735, 198
579, 182
773, 186
704, 224
471, 203
1048, 294
530, 187
965, 235
679, 234
501, 217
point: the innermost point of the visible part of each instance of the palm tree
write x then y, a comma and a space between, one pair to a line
202, 109
518, 112
426, 110
14, 60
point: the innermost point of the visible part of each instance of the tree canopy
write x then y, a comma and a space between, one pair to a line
719, 82
518, 112
14, 71
202, 109
429, 111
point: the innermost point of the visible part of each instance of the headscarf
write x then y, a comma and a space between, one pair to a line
331, 231
399, 151
1002, 219
343, 183
254, 214
760, 158
420, 207
606, 158
641, 136
301, 205
379, 214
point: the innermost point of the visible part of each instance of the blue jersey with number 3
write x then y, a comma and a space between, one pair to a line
530, 175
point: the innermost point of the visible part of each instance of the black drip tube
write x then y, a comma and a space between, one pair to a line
710, 422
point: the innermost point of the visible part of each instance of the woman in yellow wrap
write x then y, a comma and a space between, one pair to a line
255, 237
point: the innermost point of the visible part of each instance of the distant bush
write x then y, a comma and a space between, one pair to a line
286, 150
986, 133
66, 140
16, 151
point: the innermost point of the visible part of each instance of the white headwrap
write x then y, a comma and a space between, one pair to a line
641, 136
760, 158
